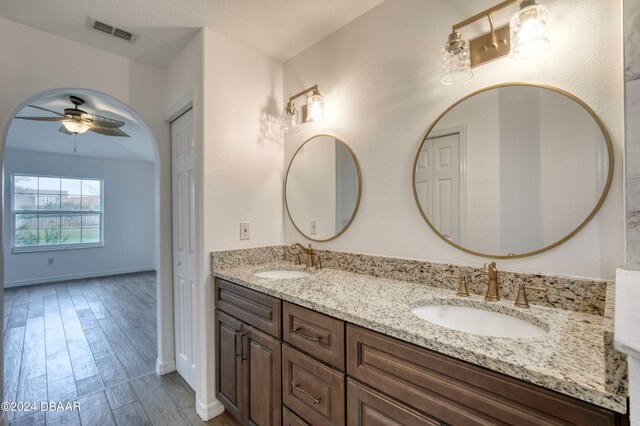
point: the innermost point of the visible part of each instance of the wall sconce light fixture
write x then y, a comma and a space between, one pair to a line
312, 111
526, 36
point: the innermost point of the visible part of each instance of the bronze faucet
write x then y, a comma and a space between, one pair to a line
309, 253
490, 269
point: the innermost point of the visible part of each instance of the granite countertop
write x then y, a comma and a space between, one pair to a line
627, 316
569, 359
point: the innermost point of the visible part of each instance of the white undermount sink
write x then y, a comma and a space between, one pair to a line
280, 274
478, 321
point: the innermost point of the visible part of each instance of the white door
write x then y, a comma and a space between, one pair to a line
184, 269
438, 184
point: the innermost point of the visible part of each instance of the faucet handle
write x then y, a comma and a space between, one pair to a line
521, 300
295, 258
318, 262
462, 287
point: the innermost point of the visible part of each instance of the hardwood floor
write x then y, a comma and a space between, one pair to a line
92, 341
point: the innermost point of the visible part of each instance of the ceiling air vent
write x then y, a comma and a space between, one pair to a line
110, 29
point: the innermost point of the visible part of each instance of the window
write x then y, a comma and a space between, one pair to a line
56, 212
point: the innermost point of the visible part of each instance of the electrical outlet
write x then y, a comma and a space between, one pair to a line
314, 227
245, 231
50, 262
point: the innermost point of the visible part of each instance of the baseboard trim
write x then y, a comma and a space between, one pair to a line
166, 367
100, 274
207, 412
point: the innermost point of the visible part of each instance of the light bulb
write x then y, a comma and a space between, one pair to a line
289, 120
456, 60
529, 31
315, 107
75, 126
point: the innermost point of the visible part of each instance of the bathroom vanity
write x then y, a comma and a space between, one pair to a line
333, 348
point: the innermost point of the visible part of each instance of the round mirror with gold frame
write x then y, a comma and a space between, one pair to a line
322, 188
513, 170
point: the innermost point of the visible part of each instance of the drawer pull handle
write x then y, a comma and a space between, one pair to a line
298, 388
315, 340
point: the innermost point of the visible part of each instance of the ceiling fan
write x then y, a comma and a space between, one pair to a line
75, 120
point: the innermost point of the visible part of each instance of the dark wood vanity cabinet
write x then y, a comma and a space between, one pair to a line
327, 372
457, 392
248, 366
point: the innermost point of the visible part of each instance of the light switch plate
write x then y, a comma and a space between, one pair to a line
245, 231
314, 227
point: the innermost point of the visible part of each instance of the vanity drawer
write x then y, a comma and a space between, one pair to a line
289, 418
253, 308
315, 333
312, 390
365, 406
457, 392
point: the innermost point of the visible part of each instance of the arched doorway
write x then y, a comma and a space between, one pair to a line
113, 108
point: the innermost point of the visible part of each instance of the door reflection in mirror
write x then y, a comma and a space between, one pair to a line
513, 170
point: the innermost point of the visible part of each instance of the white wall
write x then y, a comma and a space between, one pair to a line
243, 163
34, 62
380, 75
129, 207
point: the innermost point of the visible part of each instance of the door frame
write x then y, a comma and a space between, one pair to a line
176, 263
207, 406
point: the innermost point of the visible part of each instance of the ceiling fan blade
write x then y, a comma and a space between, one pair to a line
108, 131
45, 109
104, 122
64, 130
42, 118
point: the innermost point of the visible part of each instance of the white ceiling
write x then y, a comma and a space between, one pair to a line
278, 28
44, 136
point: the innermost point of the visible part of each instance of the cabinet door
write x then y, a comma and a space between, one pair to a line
262, 392
228, 363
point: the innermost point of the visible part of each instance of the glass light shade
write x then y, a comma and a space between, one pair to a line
456, 60
75, 126
529, 32
289, 120
315, 107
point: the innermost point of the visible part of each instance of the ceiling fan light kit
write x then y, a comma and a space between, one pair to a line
75, 121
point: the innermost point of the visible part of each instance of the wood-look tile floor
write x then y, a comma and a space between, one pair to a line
92, 341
